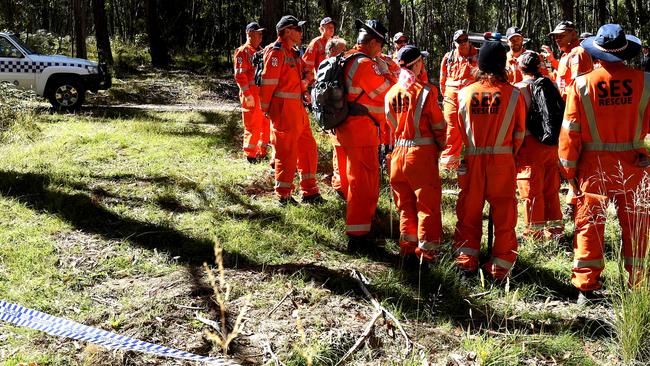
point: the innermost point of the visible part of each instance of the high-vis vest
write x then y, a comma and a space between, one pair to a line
482, 136
364, 80
244, 70
314, 55
606, 112
282, 75
456, 70
571, 65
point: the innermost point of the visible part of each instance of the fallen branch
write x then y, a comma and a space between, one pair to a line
269, 351
361, 280
280, 302
209, 322
364, 337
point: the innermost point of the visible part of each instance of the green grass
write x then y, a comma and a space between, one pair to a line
107, 216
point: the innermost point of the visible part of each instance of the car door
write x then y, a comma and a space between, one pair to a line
15, 67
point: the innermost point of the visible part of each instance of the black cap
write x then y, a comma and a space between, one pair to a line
459, 33
407, 55
288, 21
529, 62
492, 57
253, 27
373, 27
327, 20
562, 27
513, 31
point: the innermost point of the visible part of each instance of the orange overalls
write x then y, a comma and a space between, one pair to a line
492, 122
314, 55
358, 137
538, 180
514, 71
601, 145
571, 65
418, 126
281, 96
256, 125
455, 73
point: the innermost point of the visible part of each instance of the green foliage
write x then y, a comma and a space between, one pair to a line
17, 120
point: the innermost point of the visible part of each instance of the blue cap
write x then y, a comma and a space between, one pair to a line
409, 54
253, 27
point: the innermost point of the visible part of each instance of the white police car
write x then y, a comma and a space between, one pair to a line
62, 80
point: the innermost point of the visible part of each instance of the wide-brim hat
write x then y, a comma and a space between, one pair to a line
373, 27
611, 44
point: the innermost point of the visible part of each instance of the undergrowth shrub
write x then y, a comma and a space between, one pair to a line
17, 117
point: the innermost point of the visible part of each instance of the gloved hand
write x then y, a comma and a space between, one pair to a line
383, 65
249, 101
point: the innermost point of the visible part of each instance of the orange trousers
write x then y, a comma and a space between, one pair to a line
362, 173
339, 164
294, 146
605, 177
416, 186
538, 180
450, 156
257, 129
488, 178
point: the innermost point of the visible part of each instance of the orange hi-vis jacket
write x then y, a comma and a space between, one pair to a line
514, 72
283, 69
314, 55
492, 122
456, 70
363, 77
245, 71
602, 146
571, 65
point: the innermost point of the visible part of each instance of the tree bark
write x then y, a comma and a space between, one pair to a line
567, 9
79, 30
395, 17
271, 14
631, 15
471, 15
101, 32
602, 11
157, 47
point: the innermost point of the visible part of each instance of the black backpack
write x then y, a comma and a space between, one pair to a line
329, 94
546, 111
258, 63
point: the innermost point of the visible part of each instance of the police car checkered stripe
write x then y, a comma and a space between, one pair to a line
25, 66
37, 320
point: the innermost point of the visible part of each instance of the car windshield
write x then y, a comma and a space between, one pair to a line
22, 45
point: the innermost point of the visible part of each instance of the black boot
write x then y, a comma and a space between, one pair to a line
314, 199
287, 201
359, 244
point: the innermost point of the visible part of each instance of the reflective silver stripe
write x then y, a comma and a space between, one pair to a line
379, 90
270, 81
389, 116
358, 227
462, 110
263, 144
415, 142
279, 184
418, 110
307, 176
581, 83
501, 263
525, 91
555, 223
243, 87
642, 105
264, 105
536, 226
635, 262
439, 126
456, 82
351, 73
489, 150
290, 59
520, 134
594, 263
571, 126
612, 146
241, 70
374, 108
428, 245
309, 63
569, 163
251, 83
468, 251
286, 95
407, 237
354, 90
249, 146
507, 118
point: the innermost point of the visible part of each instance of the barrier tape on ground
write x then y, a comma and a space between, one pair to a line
33, 319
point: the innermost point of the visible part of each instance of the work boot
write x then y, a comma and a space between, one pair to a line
287, 201
359, 243
252, 160
589, 298
314, 199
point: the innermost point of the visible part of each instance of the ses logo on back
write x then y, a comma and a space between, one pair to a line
486, 103
616, 92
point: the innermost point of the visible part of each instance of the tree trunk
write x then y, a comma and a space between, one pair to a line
271, 14
641, 14
101, 32
631, 15
328, 8
602, 11
79, 30
157, 47
567, 9
395, 17
471, 15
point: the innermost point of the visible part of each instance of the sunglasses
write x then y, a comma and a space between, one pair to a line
461, 41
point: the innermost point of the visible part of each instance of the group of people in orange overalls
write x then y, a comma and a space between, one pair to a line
480, 133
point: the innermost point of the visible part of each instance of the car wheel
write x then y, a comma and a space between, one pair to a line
66, 94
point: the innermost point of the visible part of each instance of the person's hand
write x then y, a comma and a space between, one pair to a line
307, 97
249, 101
547, 52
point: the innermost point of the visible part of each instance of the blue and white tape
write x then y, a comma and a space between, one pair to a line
33, 319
